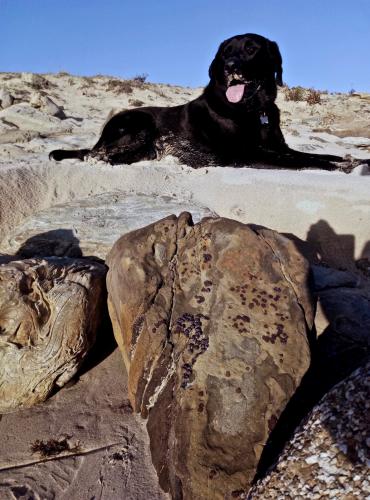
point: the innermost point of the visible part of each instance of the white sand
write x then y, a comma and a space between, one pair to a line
288, 201
329, 209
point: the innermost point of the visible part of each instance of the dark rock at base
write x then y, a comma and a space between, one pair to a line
328, 278
329, 454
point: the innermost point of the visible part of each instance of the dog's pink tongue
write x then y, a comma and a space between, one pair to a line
235, 92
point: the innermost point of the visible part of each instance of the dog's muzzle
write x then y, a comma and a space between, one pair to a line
238, 86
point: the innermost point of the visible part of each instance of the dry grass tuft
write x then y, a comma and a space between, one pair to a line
313, 97
300, 94
294, 94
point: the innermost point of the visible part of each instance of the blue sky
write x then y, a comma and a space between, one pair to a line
325, 44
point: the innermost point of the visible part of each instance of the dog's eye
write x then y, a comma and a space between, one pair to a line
250, 50
228, 50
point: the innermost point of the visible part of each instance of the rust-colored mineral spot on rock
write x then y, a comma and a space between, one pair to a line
211, 380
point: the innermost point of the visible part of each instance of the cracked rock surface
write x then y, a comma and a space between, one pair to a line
49, 313
213, 321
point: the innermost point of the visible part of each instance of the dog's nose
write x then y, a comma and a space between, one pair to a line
230, 65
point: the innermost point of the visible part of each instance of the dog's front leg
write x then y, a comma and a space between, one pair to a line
297, 160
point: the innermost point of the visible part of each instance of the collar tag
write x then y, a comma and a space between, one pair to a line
264, 119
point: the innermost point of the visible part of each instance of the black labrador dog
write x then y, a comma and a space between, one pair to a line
234, 122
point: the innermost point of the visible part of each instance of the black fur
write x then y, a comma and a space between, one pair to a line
211, 130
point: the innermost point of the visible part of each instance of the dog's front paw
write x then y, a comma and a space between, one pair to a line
349, 164
346, 167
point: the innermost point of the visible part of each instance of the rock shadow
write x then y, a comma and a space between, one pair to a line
75, 118
104, 345
55, 243
366, 169
335, 250
342, 347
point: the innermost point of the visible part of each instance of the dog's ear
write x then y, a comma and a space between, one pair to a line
277, 62
212, 69
216, 61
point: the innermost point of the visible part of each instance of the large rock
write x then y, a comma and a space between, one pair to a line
25, 117
18, 136
49, 314
6, 99
342, 301
213, 322
42, 101
328, 457
35, 80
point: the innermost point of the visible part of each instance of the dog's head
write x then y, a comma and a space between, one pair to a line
246, 68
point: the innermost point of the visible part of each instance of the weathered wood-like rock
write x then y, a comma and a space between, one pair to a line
49, 314
213, 321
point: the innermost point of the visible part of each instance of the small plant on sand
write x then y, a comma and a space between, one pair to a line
160, 92
141, 78
313, 97
136, 102
120, 86
295, 94
53, 447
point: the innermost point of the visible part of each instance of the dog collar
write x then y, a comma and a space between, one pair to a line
264, 119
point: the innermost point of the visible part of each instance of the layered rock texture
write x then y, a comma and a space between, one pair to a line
49, 314
213, 321
328, 456
95, 223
